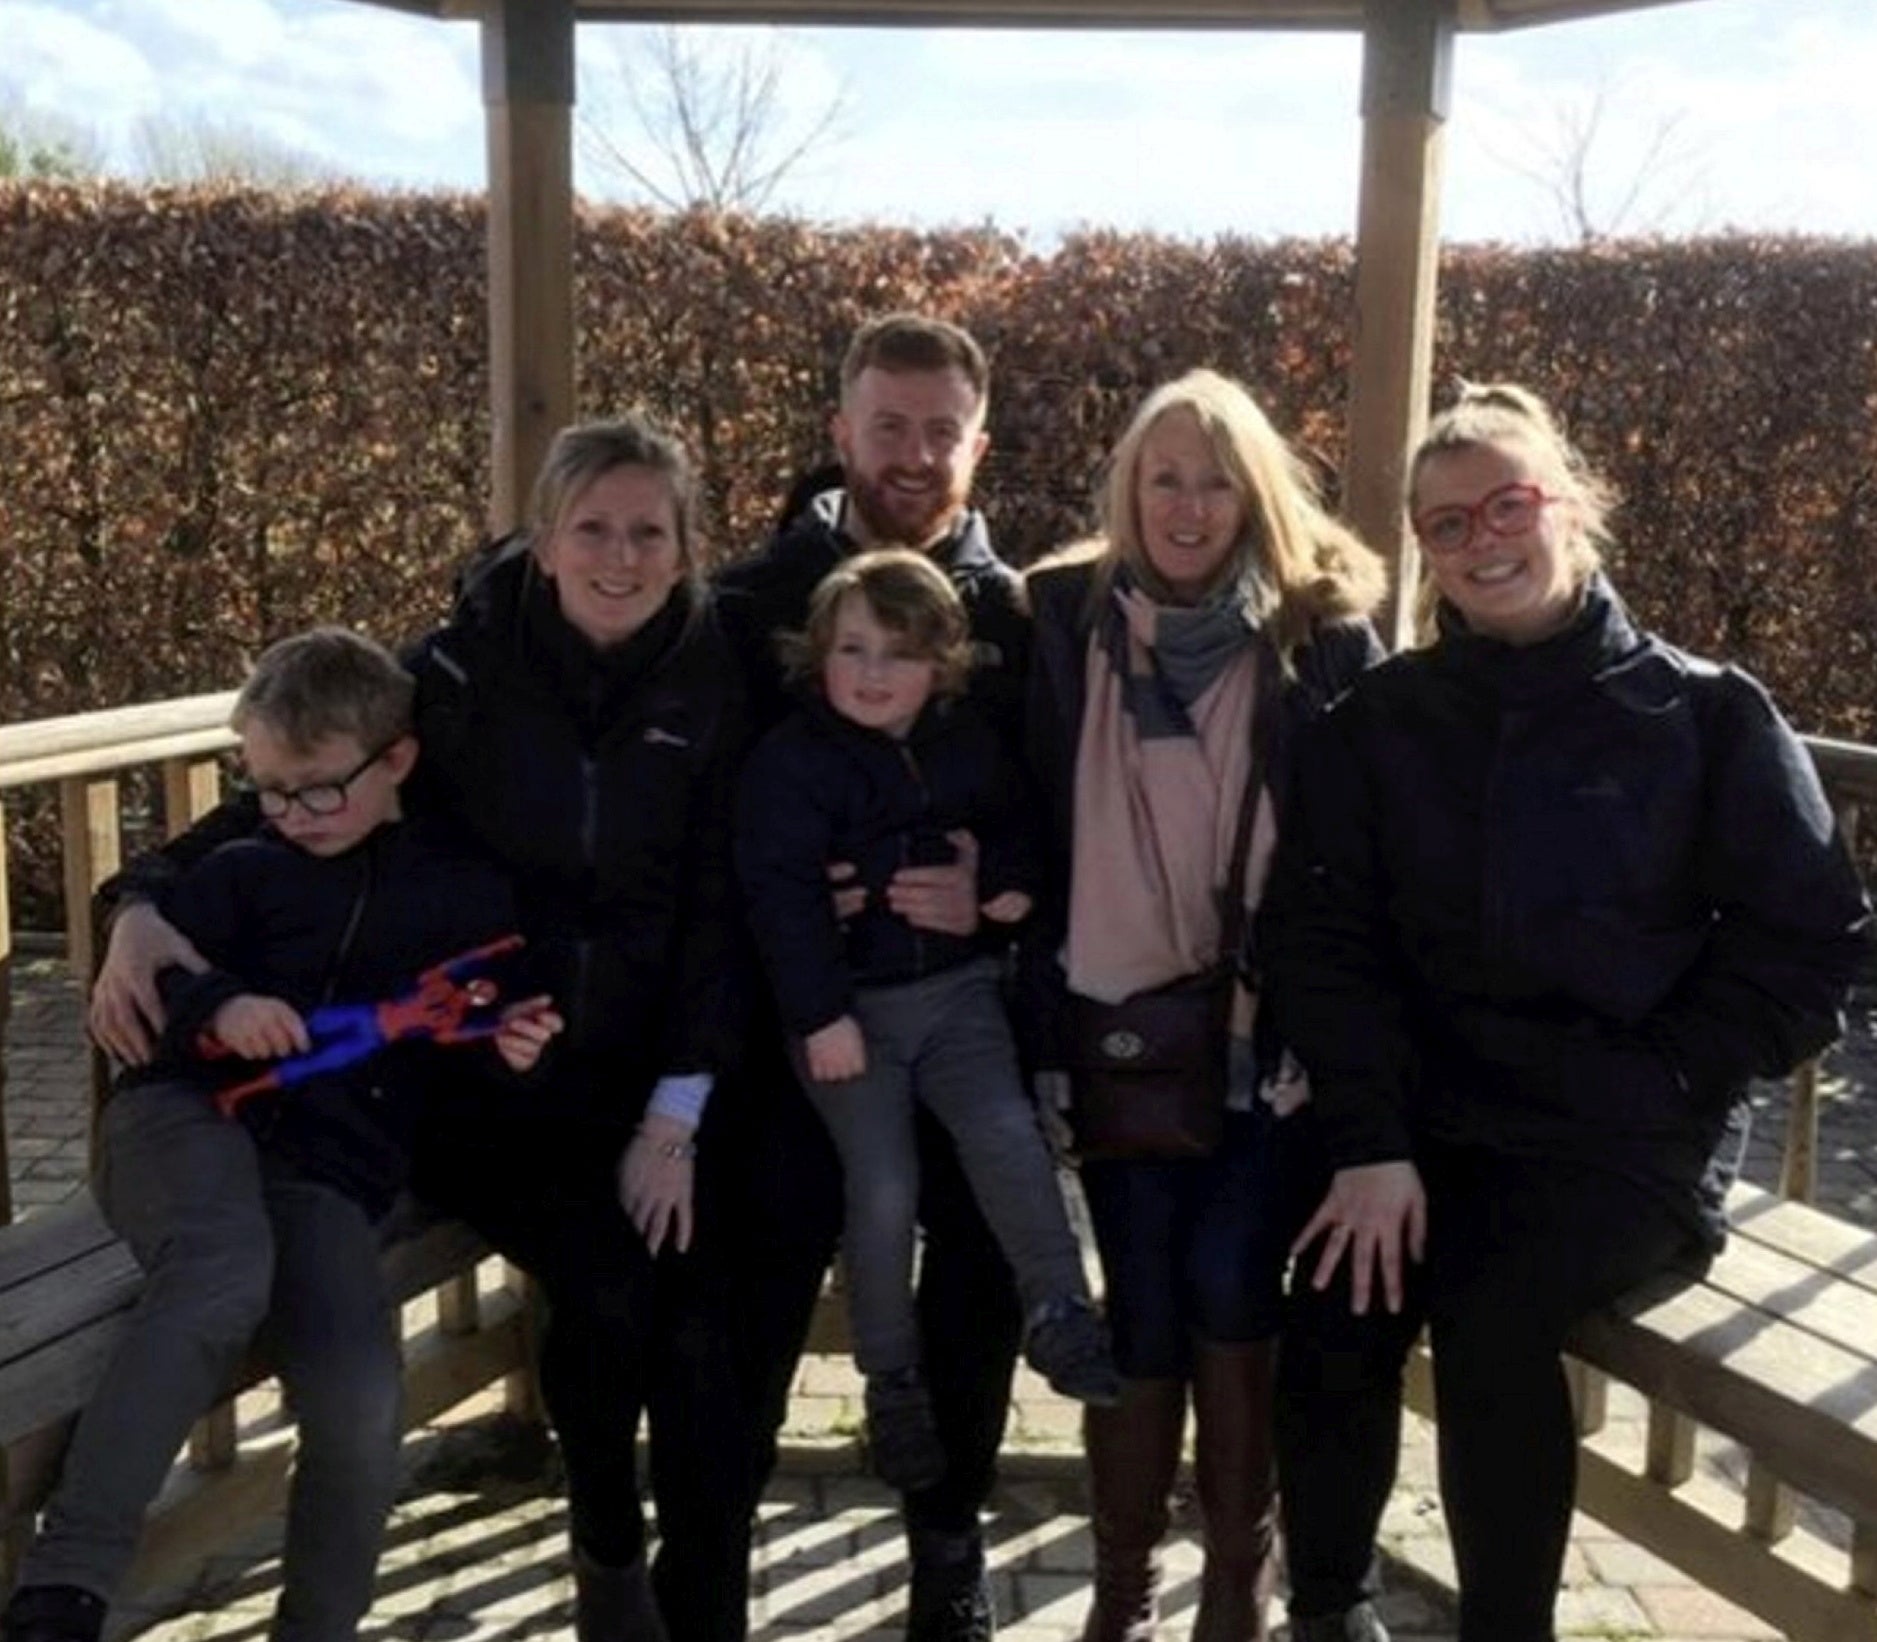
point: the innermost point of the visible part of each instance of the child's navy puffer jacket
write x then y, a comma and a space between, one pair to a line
819, 790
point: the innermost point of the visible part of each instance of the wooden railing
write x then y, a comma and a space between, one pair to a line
85, 755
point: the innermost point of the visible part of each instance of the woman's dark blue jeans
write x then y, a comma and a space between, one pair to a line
1192, 1247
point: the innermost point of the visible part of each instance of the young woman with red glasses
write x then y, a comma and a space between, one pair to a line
1553, 892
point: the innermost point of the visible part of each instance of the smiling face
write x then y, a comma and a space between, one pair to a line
1189, 511
1521, 587
909, 443
614, 554
870, 675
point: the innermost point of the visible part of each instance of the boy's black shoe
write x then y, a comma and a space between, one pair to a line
950, 1598
901, 1433
52, 1613
1068, 1345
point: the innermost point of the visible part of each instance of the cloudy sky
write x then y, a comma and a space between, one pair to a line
1716, 113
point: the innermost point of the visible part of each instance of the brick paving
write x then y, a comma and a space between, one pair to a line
476, 1546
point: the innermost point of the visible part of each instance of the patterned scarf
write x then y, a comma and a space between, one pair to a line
1160, 770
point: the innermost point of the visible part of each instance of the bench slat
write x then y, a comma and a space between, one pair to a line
1804, 1405
1847, 1252
50, 1239
1799, 1295
77, 1295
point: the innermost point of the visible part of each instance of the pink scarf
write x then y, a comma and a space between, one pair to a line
1159, 777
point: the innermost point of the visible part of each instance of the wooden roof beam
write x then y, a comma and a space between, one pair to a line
1470, 16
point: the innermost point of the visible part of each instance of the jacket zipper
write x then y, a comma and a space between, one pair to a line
1493, 891
590, 857
925, 805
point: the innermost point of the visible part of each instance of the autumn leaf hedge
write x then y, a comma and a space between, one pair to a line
227, 414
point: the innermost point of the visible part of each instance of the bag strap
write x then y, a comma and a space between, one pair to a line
1264, 706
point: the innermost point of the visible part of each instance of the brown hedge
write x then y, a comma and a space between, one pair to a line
226, 414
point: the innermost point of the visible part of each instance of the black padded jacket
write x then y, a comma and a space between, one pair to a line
602, 781
1561, 901
819, 789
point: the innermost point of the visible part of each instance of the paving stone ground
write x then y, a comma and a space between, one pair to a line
476, 1551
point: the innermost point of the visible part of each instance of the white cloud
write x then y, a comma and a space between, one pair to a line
64, 62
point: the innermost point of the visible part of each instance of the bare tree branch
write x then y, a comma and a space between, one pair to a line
1567, 158
684, 126
186, 148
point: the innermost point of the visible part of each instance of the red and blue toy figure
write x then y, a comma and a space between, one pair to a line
456, 1001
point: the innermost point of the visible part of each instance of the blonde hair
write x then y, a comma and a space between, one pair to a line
1497, 415
1293, 563
909, 596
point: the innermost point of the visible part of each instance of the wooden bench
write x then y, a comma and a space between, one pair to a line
66, 1287
1775, 1351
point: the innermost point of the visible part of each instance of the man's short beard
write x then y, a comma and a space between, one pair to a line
883, 525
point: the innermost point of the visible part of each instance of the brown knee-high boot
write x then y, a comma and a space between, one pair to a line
1235, 1477
1133, 1453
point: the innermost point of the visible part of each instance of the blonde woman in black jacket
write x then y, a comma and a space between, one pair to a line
1556, 891
1221, 609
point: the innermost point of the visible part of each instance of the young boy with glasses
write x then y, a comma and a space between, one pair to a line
273, 1216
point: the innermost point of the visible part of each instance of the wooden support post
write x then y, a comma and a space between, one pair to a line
1864, 1557
1798, 1163
6, 1013
1670, 1455
528, 89
93, 851
1590, 1395
459, 1305
1407, 69
1771, 1508
191, 788
213, 1440
1798, 1168
521, 1390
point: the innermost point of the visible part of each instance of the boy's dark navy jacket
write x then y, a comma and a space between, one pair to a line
819, 789
351, 928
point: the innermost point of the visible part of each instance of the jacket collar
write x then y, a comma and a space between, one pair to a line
822, 527
934, 719
1600, 634
504, 601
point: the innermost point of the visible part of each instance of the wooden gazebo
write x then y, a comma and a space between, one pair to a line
528, 86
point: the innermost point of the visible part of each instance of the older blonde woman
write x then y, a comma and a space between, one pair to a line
1175, 657
1555, 893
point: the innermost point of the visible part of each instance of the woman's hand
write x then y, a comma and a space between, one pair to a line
656, 1174
525, 1031
259, 1028
943, 899
126, 1010
1369, 1213
836, 1052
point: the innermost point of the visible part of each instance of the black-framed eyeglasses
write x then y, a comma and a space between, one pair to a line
1507, 511
317, 797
